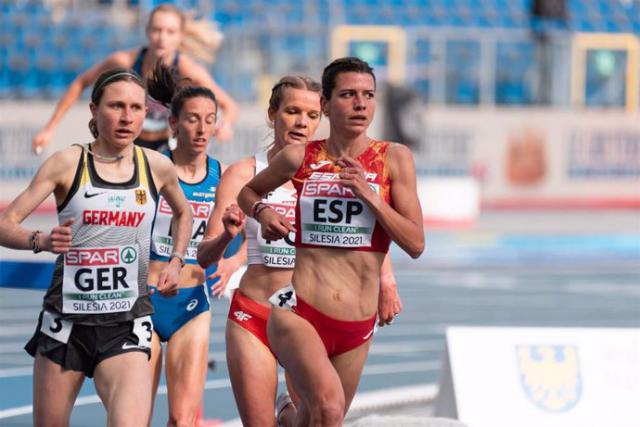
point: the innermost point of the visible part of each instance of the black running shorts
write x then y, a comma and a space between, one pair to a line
82, 347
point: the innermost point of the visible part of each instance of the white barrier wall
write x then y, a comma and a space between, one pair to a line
535, 155
515, 156
533, 377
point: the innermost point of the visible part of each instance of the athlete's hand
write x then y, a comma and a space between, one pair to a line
389, 302
353, 177
274, 225
233, 220
41, 140
168, 280
224, 132
59, 240
226, 267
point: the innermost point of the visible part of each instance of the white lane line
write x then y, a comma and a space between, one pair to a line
12, 347
16, 372
406, 347
17, 330
13, 314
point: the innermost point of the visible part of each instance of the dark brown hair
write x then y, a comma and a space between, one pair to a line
343, 65
166, 88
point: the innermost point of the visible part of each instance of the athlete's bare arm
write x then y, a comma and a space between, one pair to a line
403, 222
201, 77
54, 176
280, 170
389, 302
217, 237
74, 92
166, 179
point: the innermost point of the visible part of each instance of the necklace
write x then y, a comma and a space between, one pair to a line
100, 157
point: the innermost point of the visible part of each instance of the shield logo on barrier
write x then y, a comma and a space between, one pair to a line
550, 375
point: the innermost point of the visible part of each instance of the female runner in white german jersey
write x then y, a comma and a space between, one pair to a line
96, 313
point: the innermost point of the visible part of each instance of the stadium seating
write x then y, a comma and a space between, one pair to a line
41, 56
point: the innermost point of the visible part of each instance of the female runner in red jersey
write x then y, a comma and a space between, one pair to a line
294, 113
355, 195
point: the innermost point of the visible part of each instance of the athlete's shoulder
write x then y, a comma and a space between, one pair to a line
122, 58
66, 156
400, 160
397, 149
62, 162
189, 68
156, 159
243, 168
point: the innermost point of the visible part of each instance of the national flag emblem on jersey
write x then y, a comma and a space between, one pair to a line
550, 375
141, 196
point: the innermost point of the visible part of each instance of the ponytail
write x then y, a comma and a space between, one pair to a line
201, 39
165, 88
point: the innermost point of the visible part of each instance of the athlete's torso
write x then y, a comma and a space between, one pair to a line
102, 279
279, 253
201, 197
270, 262
340, 245
329, 214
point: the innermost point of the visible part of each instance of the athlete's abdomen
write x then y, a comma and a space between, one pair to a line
339, 282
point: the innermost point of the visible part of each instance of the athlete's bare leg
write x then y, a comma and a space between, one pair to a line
54, 392
288, 414
123, 382
349, 366
156, 369
186, 369
254, 376
301, 351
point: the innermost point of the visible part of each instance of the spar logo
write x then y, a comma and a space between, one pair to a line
198, 209
101, 256
326, 189
90, 257
101, 269
286, 210
129, 255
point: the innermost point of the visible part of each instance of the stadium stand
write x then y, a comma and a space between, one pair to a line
41, 51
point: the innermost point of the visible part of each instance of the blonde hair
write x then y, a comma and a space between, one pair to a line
201, 38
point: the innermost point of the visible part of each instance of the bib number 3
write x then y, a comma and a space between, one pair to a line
143, 329
56, 327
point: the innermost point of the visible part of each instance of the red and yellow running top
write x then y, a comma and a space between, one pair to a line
328, 214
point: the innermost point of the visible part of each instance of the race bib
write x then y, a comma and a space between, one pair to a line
56, 327
100, 280
161, 239
279, 253
143, 329
332, 215
284, 298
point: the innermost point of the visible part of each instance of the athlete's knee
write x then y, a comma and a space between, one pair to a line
182, 417
327, 410
50, 420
